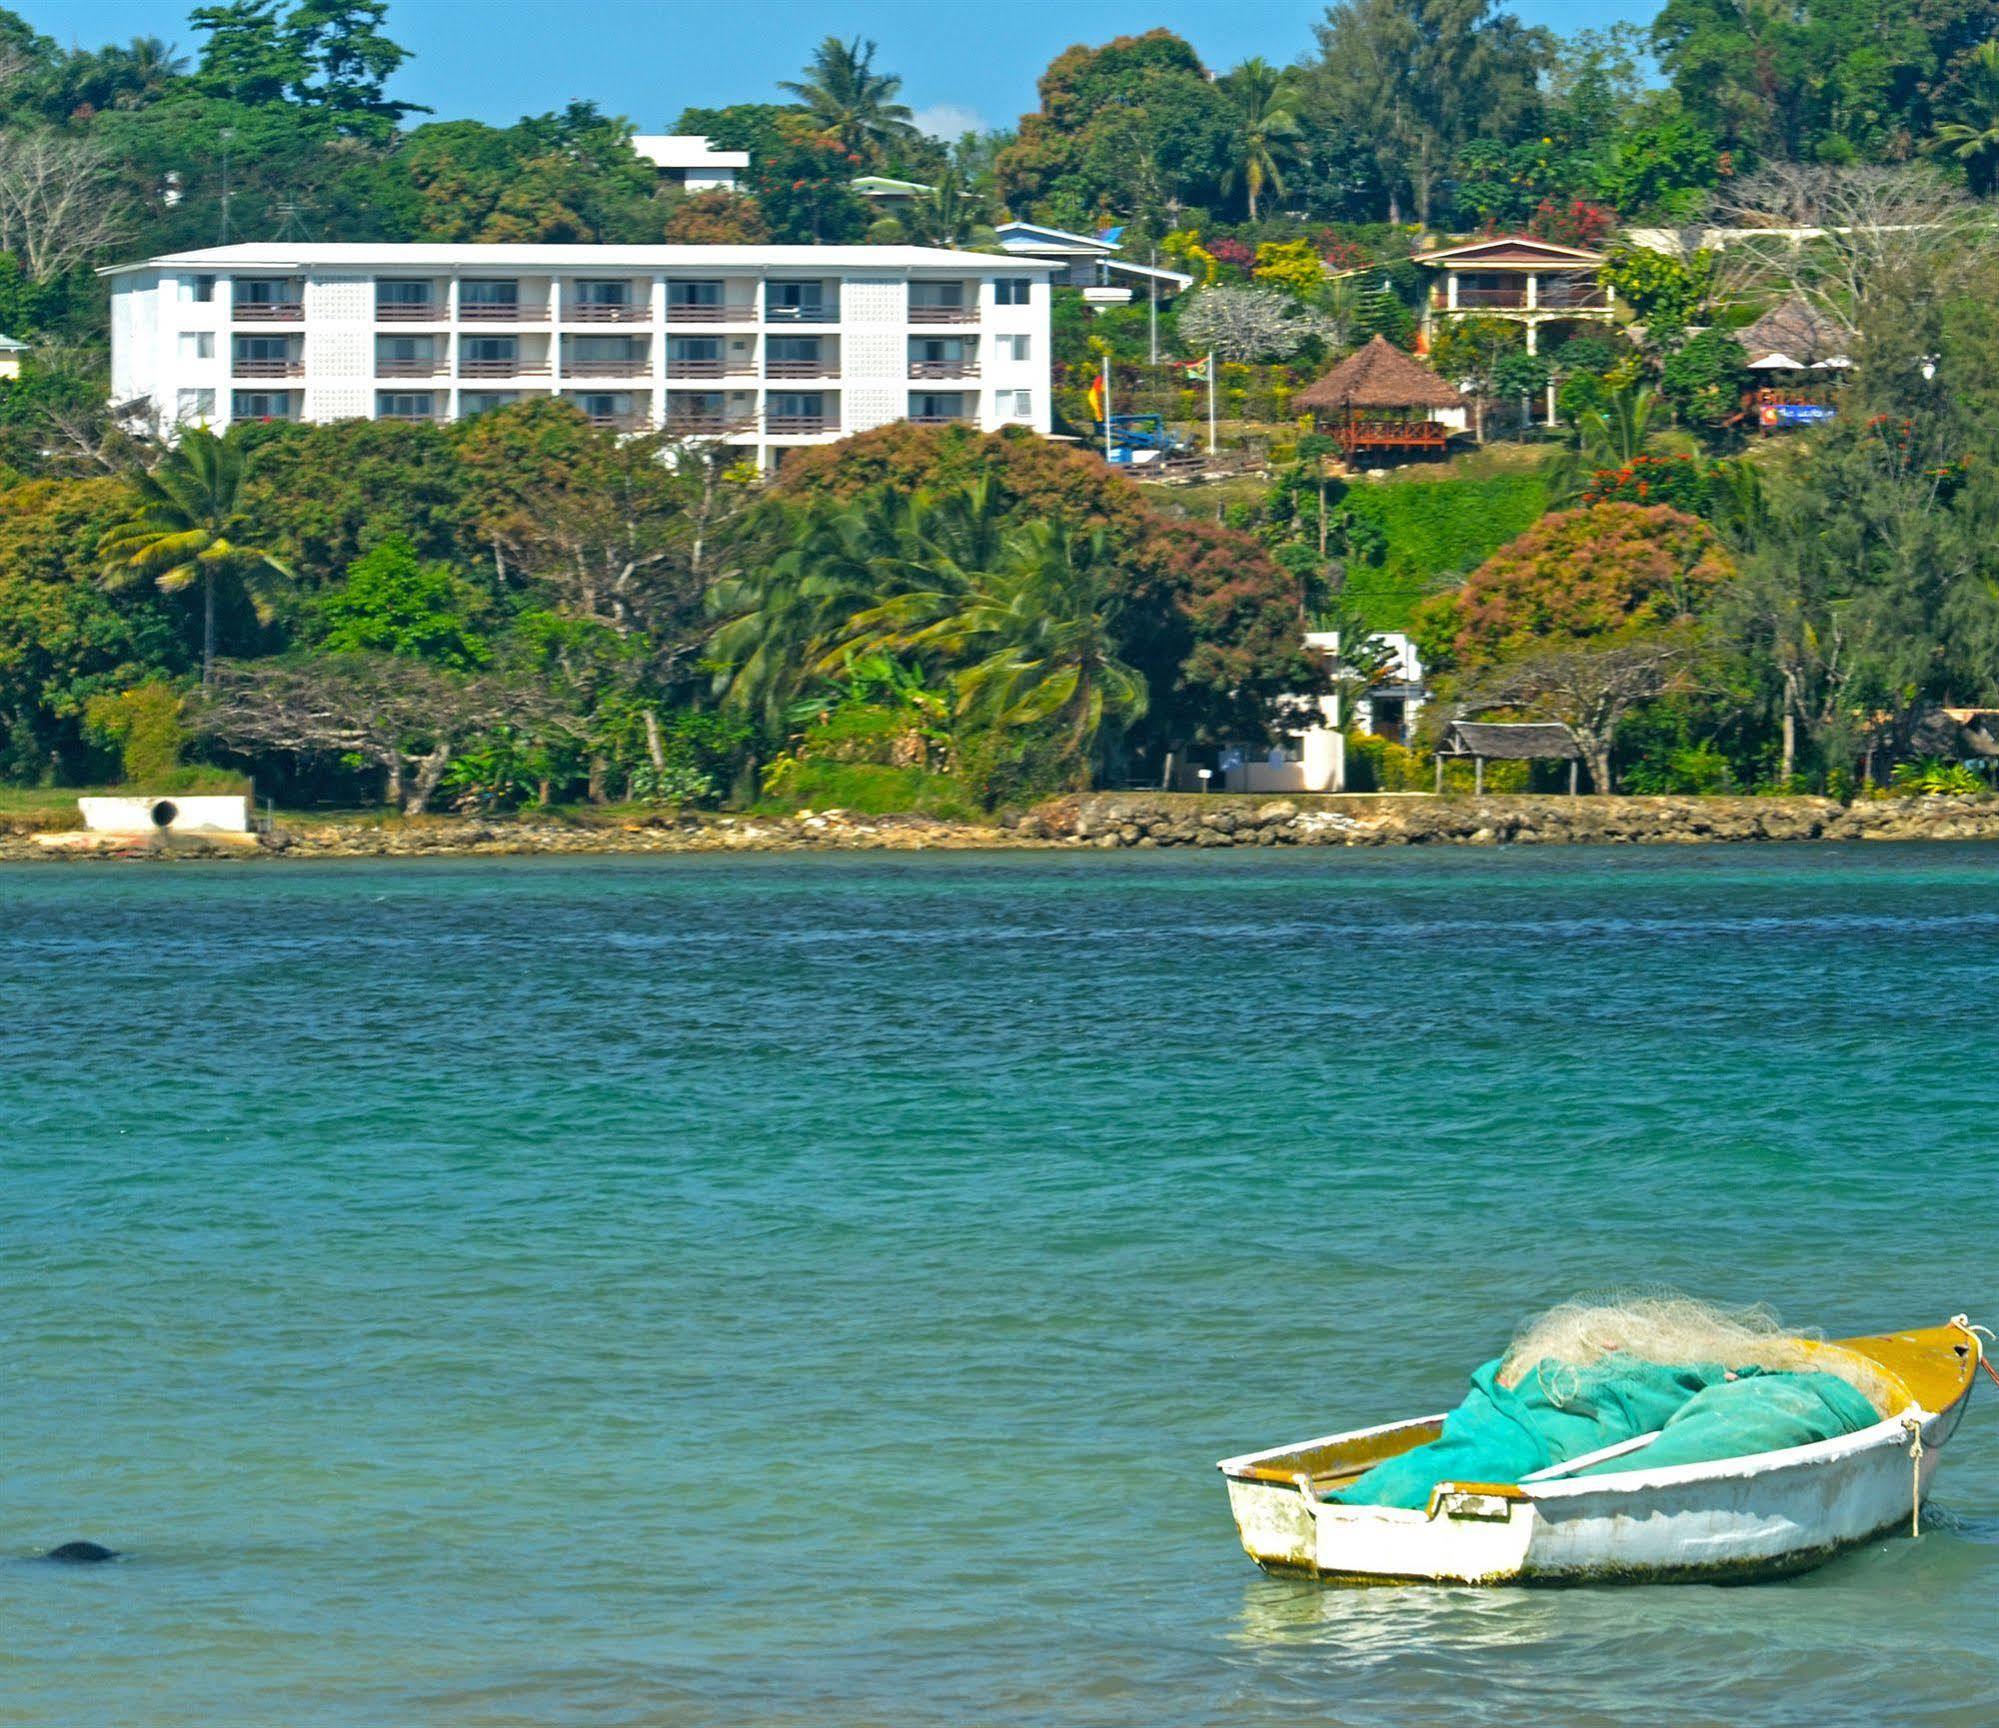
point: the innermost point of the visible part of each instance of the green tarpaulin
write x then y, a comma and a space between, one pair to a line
1501, 1433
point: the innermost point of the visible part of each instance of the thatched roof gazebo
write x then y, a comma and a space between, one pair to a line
1789, 342
1379, 399
1507, 741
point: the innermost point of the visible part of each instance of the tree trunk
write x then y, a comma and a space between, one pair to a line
392, 785
1596, 757
207, 629
654, 748
598, 770
429, 771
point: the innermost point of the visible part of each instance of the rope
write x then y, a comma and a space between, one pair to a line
1914, 1426
1977, 1333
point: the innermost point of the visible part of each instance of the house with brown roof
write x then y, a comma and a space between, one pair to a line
1381, 402
1527, 281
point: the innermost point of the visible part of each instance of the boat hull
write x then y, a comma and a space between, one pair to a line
1735, 1520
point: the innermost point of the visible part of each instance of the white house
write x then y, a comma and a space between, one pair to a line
688, 159
764, 347
1310, 754
1089, 260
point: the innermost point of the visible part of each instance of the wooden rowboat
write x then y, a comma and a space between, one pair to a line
1760, 1516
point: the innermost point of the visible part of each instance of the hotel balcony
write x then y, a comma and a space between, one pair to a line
944, 314
718, 312
943, 368
828, 367
519, 367
736, 367
964, 417
487, 300
633, 420
240, 368
800, 425
268, 312
408, 366
409, 311
808, 303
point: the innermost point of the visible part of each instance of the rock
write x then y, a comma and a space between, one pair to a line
81, 1554
1278, 810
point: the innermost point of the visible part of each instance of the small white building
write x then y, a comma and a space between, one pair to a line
762, 347
688, 159
1090, 260
1310, 753
10, 357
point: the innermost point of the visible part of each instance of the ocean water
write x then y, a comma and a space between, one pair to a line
814, 1291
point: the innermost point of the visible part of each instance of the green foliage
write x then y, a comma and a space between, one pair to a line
393, 603
1661, 288
873, 789
1933, 777
1429, 531
143, 724
1705, 379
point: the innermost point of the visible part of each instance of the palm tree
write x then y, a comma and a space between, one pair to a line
185, 525
853, 104
1973, 136
1037, 644
1266, 129
943, 217
144, 69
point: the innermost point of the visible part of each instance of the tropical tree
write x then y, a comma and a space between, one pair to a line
851, 103
1971, 136
1266, 130
944, 216
184, 525
1037, 644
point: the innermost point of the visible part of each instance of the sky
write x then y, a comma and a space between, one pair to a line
962, 66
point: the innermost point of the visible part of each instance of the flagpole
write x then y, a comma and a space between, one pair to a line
1107, 403
1211, 401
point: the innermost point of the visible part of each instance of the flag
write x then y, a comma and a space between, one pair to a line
1197, 370
1097, 398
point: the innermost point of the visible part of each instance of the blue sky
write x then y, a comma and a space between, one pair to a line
961, 65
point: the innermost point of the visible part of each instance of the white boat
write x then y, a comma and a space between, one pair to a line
1764, 1515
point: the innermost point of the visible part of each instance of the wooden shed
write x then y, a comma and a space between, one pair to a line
1381, 401
1507, 741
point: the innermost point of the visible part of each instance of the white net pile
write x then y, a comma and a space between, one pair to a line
1585, 1339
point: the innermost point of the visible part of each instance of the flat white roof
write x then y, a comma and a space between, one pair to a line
686, 150
278, 256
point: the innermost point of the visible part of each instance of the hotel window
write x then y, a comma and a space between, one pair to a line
415, 293
195, 406
260, 405
794, 299
471, 402
262, 291
489, 294
197, 344
1013, 347
1014, 404
937, 294
201, 289
405, 405
488, 350
694, 293
1013, 290
601, 294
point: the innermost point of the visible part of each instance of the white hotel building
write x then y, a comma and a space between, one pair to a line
764, 347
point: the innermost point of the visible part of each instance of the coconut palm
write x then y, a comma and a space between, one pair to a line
943, 216
185, 524
1037, 644
1972, 136
853, 104
1266, 129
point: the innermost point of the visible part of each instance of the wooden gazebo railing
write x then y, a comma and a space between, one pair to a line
1358, 435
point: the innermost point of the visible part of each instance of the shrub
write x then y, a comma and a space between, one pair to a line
1935, 777
143, 724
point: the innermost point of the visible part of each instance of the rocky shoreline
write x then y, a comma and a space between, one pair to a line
1390, 819
1106, 821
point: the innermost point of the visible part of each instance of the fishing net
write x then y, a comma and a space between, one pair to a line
1701, 1382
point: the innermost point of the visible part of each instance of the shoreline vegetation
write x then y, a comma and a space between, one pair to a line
1105, 821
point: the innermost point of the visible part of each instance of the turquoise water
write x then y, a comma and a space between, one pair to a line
815, 1290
